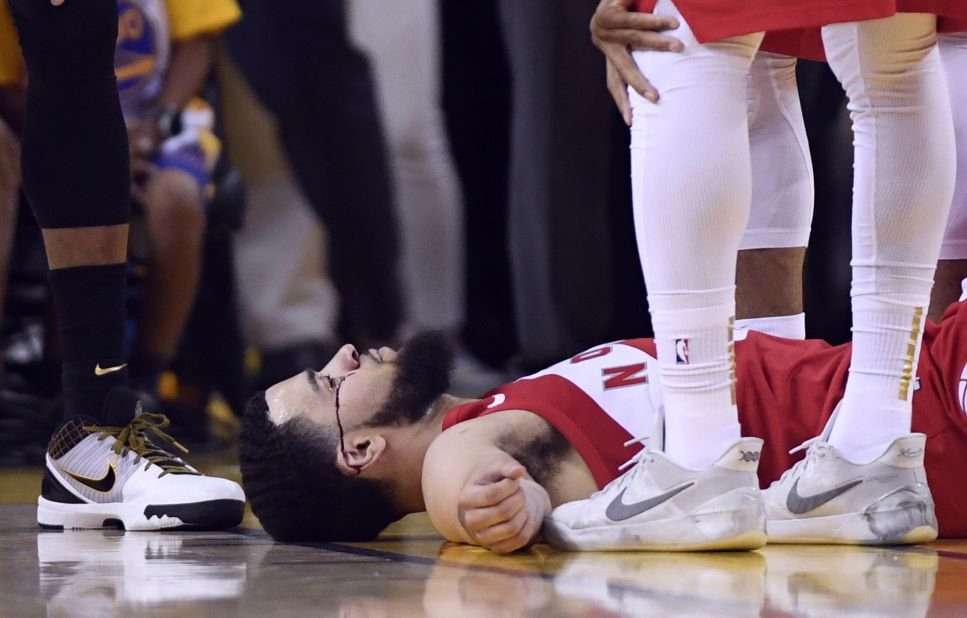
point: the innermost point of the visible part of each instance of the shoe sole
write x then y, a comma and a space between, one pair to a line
842, 530
735, 529
207, 515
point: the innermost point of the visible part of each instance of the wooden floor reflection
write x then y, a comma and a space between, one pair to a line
409, 571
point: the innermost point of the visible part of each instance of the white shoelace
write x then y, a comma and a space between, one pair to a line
812, 446
640, 456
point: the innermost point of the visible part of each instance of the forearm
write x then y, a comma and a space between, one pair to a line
191, 62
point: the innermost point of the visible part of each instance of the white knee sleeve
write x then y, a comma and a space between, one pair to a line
782, 173
953, 53
691, 178
905, 156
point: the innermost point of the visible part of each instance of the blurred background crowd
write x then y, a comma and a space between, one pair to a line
370, 169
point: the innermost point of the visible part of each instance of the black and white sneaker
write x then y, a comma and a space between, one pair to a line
101, 476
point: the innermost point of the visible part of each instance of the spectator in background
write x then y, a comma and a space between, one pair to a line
164, 57
298, 58
288, 305
561, 174
404, 47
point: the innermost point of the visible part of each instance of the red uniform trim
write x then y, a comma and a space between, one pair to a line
597, 437
792, 26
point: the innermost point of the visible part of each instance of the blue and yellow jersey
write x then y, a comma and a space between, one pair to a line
146, 31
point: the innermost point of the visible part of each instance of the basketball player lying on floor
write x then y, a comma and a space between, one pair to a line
339, 454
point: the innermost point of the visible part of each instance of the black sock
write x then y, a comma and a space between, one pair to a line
91, 313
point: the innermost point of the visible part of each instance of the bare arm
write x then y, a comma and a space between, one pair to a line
478, 494
191, 62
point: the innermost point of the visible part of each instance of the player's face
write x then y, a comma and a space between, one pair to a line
362, 382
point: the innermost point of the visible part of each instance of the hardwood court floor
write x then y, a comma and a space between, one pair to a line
410, 571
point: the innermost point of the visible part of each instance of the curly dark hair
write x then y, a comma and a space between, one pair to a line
297, 492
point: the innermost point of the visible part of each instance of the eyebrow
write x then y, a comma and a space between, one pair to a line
311, 376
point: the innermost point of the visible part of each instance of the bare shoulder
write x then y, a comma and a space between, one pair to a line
475, 435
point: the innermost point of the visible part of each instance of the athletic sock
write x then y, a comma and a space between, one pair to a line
786, 326
696, 364
91, 311
877, 407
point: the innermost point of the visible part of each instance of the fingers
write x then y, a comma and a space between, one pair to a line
477, 519
476, 496
620, 19
619, 92
503, 533
500, 469
57, 2
629, 72
521, 539
638, 39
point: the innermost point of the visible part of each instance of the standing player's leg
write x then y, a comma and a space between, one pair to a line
769, 295
864, 479
76, 176
952, 268
692, 186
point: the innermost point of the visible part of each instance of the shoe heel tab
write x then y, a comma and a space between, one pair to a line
907, 452
743, 456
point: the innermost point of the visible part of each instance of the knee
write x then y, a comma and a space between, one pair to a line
77, 38
175, 206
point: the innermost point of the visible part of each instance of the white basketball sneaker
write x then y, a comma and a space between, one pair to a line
826, 498
659, 506
100, 476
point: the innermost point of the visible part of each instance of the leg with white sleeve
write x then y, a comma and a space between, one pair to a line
694, 487
952, 267
863, 480
769, 295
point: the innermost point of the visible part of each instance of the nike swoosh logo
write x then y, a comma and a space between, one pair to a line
619, 511
499, 398
100, 371
103, 485
799, 505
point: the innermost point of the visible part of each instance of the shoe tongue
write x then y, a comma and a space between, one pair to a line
121, 406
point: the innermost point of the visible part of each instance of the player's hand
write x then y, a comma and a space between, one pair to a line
615, 30
57, 2
501, 509
144, 136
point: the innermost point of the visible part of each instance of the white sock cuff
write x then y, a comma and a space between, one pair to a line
683, 323
786, 326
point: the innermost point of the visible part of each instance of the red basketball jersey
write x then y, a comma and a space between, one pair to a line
793, 25
787, 391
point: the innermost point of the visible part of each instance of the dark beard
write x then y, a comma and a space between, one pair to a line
423, 375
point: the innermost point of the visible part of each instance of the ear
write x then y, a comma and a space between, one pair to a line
362, 451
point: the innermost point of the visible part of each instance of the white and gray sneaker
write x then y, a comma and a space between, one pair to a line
659, 506
826, 498
101, 476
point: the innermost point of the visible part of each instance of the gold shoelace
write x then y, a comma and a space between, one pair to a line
132, 438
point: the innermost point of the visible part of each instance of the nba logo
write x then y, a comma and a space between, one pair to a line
681, 351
